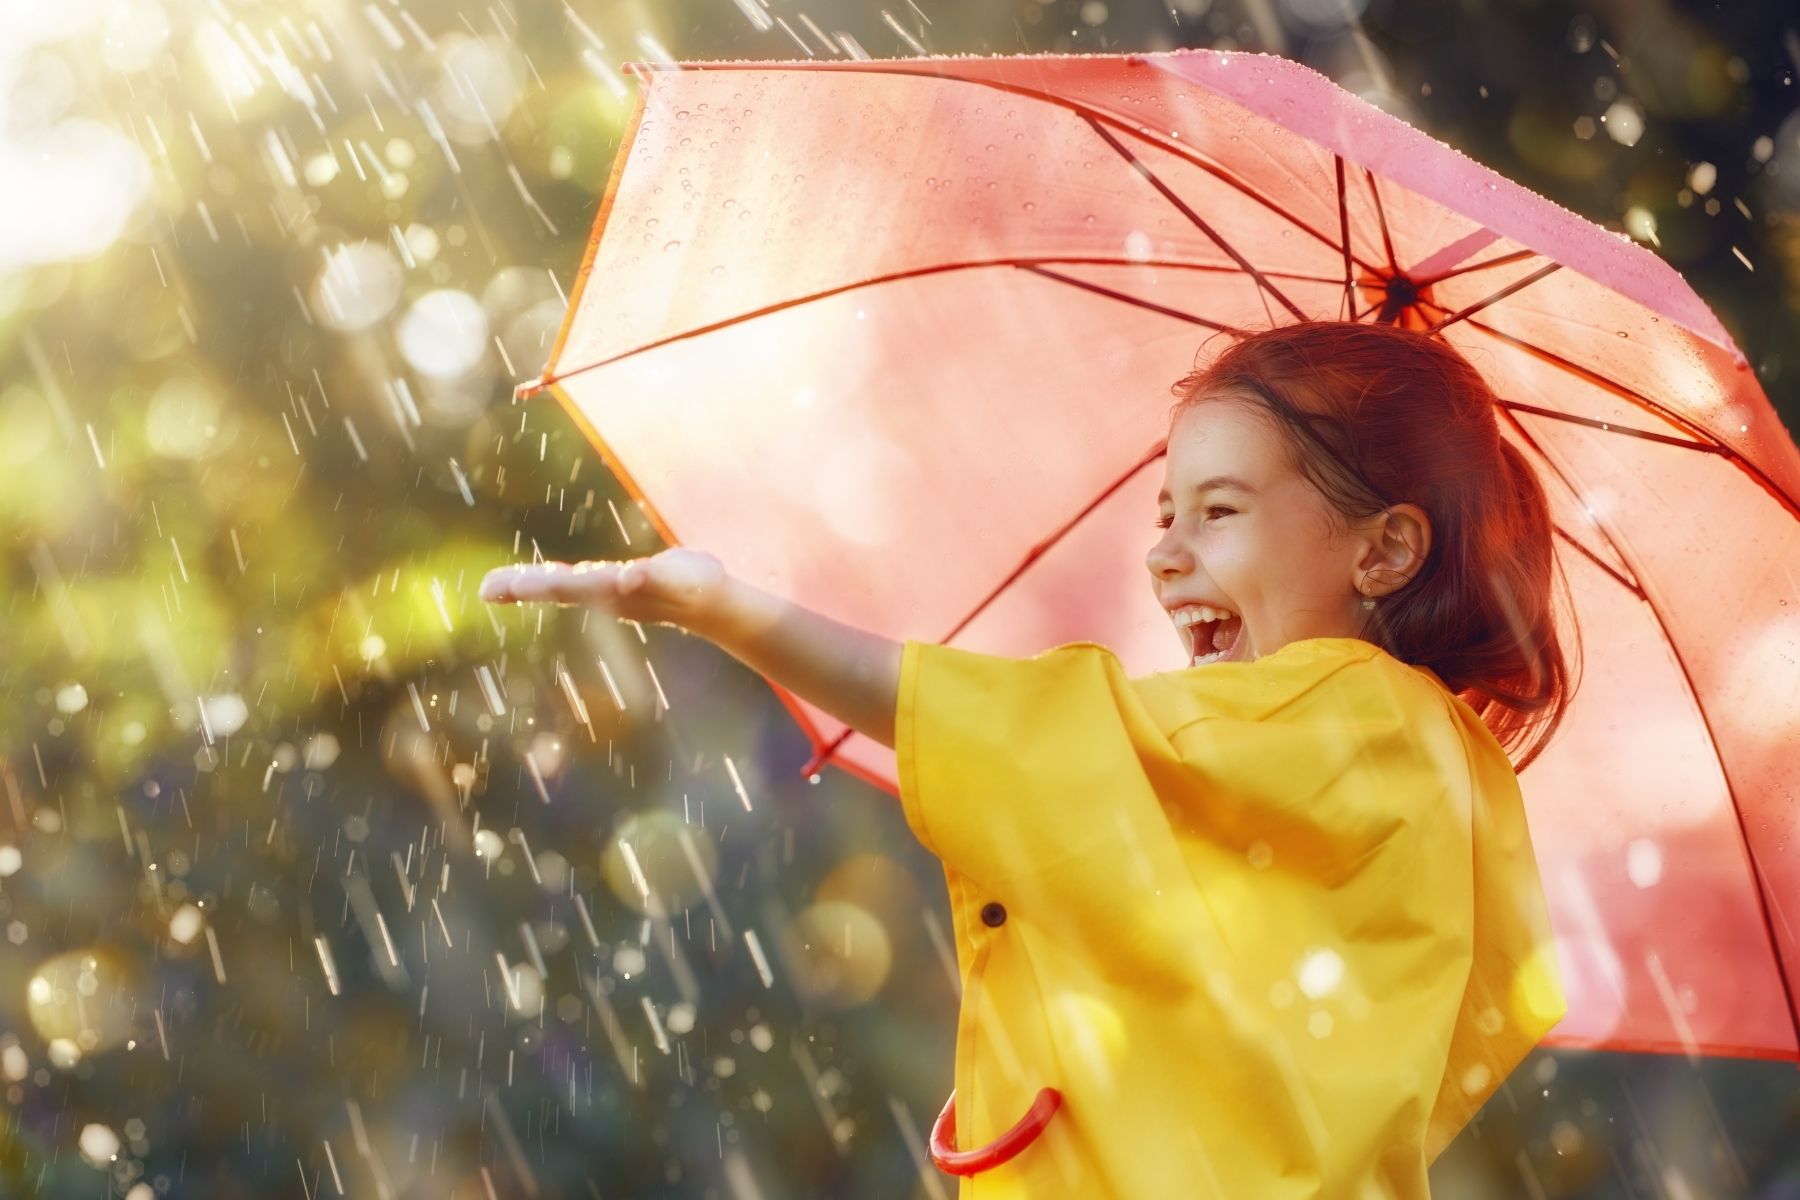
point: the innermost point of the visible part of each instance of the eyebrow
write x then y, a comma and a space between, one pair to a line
1217, 481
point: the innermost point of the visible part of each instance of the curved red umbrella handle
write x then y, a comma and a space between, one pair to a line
968, 1162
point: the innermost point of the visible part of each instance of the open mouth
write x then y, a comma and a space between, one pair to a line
1215, 641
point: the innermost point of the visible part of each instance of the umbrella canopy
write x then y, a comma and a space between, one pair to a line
895, 338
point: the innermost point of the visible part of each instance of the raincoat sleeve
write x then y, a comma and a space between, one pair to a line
1009, 769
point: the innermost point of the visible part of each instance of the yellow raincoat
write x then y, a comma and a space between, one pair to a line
1274, 929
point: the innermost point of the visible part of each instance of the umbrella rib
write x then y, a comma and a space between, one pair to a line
1605, 566
1199, 223
1387, 240
1343, 208
915, 272
1496, 297
1031, 556
1615, 427
1789, 503
1605, 384
1172, 264
1044, 545
1175, 264
1453, 272
1597, 520
1704, 441
1183, 153
1599, 523
1507, 407
1128, 299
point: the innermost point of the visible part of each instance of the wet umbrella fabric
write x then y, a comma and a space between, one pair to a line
895, 339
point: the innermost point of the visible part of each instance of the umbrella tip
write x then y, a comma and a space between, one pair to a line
528, 389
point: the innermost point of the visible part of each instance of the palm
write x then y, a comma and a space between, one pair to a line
679, 586
685, 581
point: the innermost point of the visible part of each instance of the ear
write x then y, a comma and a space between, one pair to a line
1398, 541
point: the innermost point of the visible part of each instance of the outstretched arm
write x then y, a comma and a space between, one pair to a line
850, 673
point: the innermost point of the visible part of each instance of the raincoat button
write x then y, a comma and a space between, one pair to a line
993, 913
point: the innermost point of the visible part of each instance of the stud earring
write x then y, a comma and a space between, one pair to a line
1368, 602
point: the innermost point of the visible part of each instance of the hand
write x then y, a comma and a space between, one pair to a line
679, 586
851, 674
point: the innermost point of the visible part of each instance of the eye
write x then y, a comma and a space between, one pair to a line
1165, 522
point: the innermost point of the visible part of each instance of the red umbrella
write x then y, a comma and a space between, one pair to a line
895, 339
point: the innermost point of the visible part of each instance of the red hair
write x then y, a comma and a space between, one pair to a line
1375, 415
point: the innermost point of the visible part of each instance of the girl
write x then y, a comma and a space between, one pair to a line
1269, 926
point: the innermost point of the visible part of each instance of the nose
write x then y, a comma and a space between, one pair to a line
1165, 560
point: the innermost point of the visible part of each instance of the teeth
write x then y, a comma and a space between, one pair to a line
1189, 619
1201, 612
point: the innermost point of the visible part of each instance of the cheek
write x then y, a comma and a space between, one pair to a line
1228, 547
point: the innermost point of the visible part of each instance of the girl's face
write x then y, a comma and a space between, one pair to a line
1247, 533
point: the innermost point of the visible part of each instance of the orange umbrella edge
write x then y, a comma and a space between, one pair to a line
611, 462
1707, 1049
585, 272
1133, 58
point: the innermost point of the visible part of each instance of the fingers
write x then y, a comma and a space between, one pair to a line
550, 582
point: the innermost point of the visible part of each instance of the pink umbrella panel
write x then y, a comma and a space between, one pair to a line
895, 339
